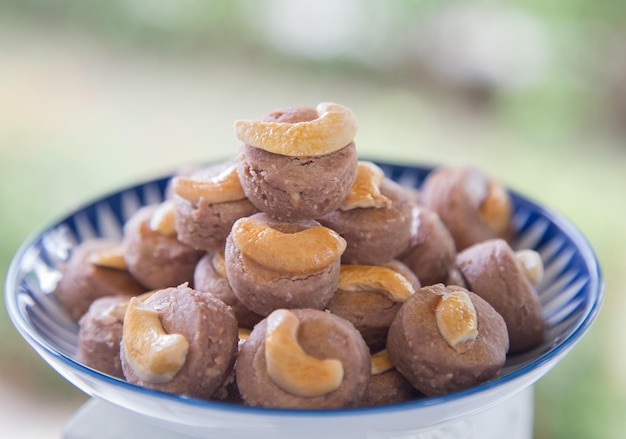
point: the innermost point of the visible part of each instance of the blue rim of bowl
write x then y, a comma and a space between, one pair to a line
595, 286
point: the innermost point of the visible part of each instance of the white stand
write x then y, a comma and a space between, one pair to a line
513, 419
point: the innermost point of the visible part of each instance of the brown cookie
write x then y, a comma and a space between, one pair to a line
369, 296
100, 333
431, 254
179, 341
207, 203
272, 264
445, 339
375, 232
303, 358
154, 255
473, 206
91, 273
502, 277
296, 186
210, 277
387, 385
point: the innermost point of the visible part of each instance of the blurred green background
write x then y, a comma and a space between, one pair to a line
96, 95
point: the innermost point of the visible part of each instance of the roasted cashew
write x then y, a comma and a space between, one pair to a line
376, 278
301, 252
154, 355
292, 369
531, 264
457, 320
221, 188
365, 191
334, 128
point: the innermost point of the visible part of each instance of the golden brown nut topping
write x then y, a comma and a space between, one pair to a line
334, 128
154, 355
113, 258
531, 264
114, 312
292, 369
290, 251
381, 362
365, 191
376, 278
495, 209
456, 319
162, 219
221, 188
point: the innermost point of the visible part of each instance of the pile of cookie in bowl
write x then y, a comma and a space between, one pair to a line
295, 275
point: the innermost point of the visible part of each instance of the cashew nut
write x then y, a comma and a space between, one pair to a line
292, 369
381, 362
531, 264
162, 219
218, 263
334, 128
221, 188
244, 334
495, 209
113, 258
294, 251
365, 191
376, 278
456, 319
154, 355
114, 312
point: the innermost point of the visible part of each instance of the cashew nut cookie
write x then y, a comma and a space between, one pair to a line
369, 296
473, 206
375, 218
210, 277
507, 279
432, 253
100, 334
272, 264
298, 162
445, 339
179, 341
303, 358
152, 253
95, 269
207, 203
387, 385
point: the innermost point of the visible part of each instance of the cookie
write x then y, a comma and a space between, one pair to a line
272, 264
298, 163
153, 254
207, 203
507, 279
179, 341
210, 277
303, 358
95, 269
473, 206
446, 339
369, 296
431, 254
100, 334
375, 219
387, 385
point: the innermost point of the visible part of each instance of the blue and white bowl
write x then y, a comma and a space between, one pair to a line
571, 294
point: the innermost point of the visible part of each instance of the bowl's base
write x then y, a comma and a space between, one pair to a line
98, 419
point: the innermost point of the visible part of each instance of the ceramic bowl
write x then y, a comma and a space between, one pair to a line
571, 294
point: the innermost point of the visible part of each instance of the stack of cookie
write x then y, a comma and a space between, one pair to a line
350, 288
